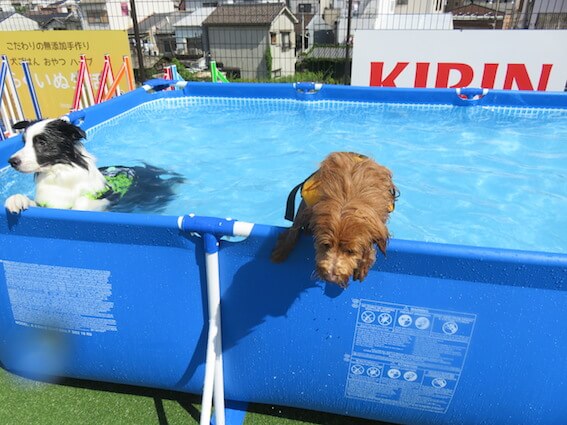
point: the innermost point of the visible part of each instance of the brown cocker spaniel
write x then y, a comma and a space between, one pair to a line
346, 204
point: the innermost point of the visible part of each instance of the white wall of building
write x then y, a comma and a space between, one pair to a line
6, 6
283, 57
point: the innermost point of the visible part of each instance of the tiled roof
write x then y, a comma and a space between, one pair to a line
44, 18
474, 10
5, 15
244, 14
328, 52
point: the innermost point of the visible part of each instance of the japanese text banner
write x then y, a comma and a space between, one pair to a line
53, 58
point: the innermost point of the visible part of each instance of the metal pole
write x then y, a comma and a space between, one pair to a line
141, 70
347, 49
302, 32
212, 229
213, 387
496, 14
31, 88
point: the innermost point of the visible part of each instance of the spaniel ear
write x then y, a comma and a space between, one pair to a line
382, 245
21, 125
381, 236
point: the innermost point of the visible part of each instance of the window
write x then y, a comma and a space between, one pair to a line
401, 2
194, 43
97, 16
355, 8
273, 38
555, 21
286, 41
304, 8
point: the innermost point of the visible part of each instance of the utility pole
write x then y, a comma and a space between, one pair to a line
141, 70
347, 49
302, 31
496, 14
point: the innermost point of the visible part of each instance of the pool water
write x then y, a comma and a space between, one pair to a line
474, 176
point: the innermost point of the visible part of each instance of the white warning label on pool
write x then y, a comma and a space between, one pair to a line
407, 356
67, 299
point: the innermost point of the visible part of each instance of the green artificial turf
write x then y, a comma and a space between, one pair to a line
27, 402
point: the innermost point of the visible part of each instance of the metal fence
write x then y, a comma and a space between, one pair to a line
252, 40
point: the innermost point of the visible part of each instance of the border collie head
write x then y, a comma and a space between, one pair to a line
47, 143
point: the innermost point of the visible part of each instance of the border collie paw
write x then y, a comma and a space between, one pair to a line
17, 203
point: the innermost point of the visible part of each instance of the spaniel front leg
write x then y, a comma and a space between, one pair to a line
365, 264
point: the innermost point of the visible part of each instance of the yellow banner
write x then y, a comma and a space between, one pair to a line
54, 57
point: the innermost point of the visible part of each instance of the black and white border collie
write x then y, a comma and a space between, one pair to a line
66, 175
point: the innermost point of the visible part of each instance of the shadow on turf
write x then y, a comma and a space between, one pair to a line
190, 403
187, 401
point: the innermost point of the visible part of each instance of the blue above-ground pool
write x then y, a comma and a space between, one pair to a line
437, 333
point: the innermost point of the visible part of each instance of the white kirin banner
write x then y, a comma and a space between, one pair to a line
492, 59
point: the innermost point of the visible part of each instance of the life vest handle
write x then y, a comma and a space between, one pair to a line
290, 205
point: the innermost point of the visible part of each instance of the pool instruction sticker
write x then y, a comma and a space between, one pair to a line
407, 356
66, 299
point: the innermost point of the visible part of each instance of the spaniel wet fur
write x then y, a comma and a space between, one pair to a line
356, 196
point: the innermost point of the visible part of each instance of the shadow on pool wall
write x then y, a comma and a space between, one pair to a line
272, 290
437, 334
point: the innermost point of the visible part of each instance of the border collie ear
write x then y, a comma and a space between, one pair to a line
71, 130
21, 125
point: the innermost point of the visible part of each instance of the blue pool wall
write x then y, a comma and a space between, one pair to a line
288, 339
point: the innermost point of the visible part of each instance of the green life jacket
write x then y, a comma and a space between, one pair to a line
118, 181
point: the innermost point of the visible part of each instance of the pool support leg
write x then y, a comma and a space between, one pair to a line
211, 230
214, 379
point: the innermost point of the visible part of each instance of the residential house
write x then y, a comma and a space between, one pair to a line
474, 16
320, 32
452, 4
157, 32
256, 40
303, 32
521, 14
12, 21
197, 4
312, 30
115, 14
56, 21
95, 15
419, 6
541, 14
189, 32
364, 15
392, 14
308, 7
60, 6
